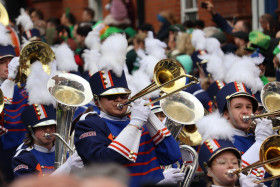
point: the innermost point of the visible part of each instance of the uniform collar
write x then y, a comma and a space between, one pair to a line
113, 118
43, 149
239, 133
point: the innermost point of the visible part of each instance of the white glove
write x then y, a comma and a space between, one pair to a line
139, 113
13, 68
248, 181
73, 161
172, 176
263, 129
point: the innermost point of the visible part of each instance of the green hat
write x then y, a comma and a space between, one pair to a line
177, 28
130, 32
276, 49
258, 40
109, 31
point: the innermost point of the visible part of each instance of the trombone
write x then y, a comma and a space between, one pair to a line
169, 76
269, 159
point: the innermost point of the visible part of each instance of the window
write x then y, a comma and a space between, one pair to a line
189, 10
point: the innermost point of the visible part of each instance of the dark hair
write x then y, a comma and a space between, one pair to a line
199, 24
83, 30
28, 139
39, 14
71, 18
247, 26
90, 12
62, 28
189, 23
146, 27
54, 20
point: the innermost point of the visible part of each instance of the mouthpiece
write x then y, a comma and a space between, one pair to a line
120, 106
231, 172
246, 118
48, 135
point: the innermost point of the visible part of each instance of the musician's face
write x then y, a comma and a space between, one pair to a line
4, 67
239, 107
45, 141
220, 165
108, 104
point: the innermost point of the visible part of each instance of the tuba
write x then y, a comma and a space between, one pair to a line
32, 52
183, 110
70, 91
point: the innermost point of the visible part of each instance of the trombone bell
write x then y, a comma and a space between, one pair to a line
270, 96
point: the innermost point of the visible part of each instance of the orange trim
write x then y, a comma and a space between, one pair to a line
144, 133
20, 100
119, 149
146, 152
236, 87
210, 150
244, 87
17, 122
215, 141
44, 110
210, 106
147, 142
12, 116
16, 109
101, 76
111, 137
49, 167
128, 150
145, 173
110, 77
141, 163
38, 168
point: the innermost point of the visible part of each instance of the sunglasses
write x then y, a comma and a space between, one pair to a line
114, 97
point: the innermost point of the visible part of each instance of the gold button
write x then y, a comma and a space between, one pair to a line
130, 156
211, 147
257, 174
104, 77
113, 137
131, 152
37, 109
259, 170
42, 167
36, 105
102, 72
105, 82
8, 98
38, 113
227, 97
207, 140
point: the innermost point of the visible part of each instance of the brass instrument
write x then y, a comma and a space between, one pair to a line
4, 18
183, 110
169, 76
1, 101
70, 91
32, 52
269, 158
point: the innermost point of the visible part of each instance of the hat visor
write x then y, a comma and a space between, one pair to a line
45, 123
234, 150
5, 56
255, 102
156, 109
114, 91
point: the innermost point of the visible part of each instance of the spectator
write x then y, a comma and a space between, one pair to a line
166, 19
68, 19
37, 18
88, 17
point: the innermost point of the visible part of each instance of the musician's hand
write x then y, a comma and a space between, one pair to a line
139, 113
13, 68
263, 129
248, 181
172, 176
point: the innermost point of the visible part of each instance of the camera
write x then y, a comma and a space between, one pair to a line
203, 5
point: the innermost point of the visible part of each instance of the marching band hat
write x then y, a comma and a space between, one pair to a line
211, 148
104, 83
197, 61
38, 116
7, 51
31, 35
258, 40
213, 89
231, 90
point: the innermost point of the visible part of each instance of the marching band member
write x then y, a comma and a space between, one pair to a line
218, 155
141, 143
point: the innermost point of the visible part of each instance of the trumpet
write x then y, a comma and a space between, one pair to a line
269, 159
169, 76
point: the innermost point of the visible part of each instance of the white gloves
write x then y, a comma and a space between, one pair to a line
248, 181
73, 161
13, 68
139, 113
263, 129
172, 176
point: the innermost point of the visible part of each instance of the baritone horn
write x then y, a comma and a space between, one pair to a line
169, 77
183, 110
70, 91
269, 159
